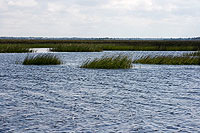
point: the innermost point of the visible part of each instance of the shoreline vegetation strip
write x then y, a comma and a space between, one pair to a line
100, 45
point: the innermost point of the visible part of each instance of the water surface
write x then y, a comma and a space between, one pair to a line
66, 98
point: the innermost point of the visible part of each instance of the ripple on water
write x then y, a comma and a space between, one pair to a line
65, 98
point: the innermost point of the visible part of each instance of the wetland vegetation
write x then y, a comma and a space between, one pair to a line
109, 62
189, 59
103, 45
76, 48
42, 59
14, 48
25, 46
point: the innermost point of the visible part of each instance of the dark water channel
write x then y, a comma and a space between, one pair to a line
66, 98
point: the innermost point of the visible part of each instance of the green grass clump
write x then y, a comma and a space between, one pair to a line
169, 60
42, 59
76, 48
107, 62
12, 48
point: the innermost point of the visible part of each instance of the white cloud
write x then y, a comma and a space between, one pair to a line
3, 5
55, 7
141, 5
130, 4
94, 18
22, 3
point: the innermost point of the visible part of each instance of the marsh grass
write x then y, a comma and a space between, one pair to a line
109, 62
169, 60
99, 45
143, 47
76, 48
42, 59
12, 48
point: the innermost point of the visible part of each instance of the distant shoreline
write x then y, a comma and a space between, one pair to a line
103, 38
11, 45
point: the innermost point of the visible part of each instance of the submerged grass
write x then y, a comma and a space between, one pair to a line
169, 60
42, 59
76, 48
107, 62
12, 48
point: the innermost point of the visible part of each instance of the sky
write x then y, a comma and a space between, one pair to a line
100, 18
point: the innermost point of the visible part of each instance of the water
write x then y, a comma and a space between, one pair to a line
40, 50
66, 98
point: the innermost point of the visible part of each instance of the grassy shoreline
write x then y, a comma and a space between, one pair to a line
76, 48
14, 48
104, 45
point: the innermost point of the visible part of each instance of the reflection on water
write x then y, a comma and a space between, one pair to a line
40, 50
66, 98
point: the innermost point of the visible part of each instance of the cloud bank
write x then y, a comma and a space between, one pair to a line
95, 18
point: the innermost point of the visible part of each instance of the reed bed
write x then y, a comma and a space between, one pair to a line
42, 59
76, 48
99, 45
112, 47
124, 45
169, 60
12, 48
160, 43
109, 62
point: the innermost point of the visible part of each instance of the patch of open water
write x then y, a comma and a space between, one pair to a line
66, 98
41, 50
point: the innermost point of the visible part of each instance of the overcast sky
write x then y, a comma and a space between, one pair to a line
100, 18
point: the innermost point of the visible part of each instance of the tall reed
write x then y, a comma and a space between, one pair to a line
42, 59
76, 48
12, 48
169, 60
99, 45
109, 62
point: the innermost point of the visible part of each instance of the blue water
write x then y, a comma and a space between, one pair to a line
66, 98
